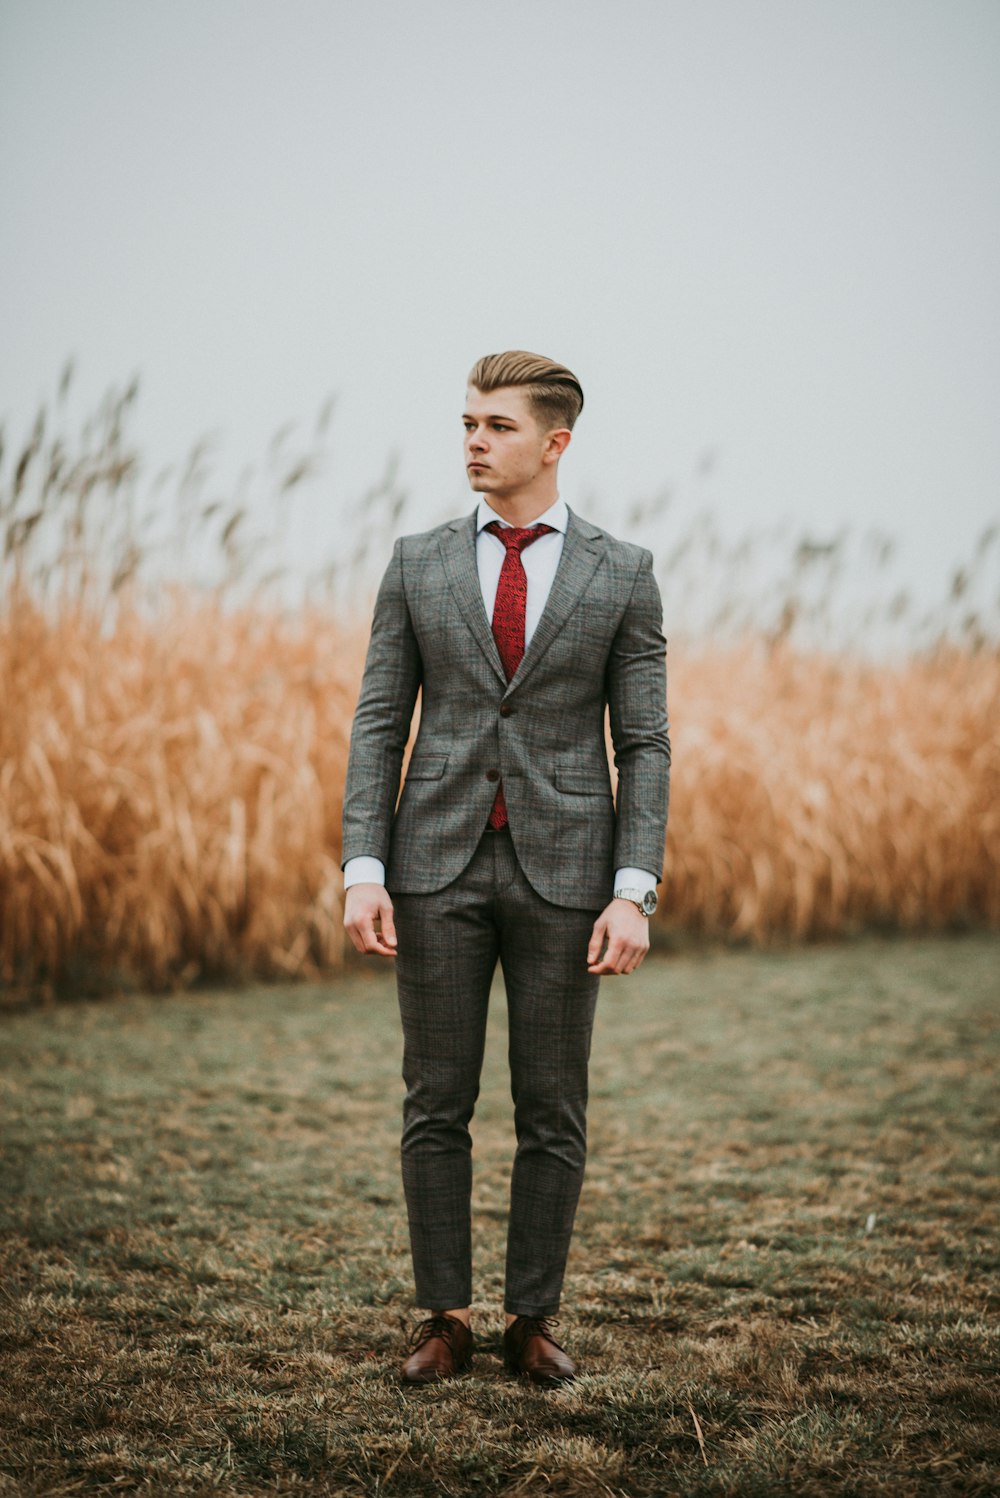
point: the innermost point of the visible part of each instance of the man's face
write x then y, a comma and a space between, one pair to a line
505, 448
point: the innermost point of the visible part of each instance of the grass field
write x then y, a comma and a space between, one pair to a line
783, 1279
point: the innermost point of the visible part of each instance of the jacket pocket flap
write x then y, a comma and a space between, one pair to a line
426, 767
583, 782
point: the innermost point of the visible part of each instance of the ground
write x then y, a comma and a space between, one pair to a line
783, 1279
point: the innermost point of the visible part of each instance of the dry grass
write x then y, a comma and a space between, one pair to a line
171, 791
783, 1281
819, 796
172, 758
170, 798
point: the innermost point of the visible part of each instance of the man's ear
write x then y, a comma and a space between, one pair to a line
556, 444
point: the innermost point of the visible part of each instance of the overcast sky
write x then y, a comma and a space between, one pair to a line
762, 230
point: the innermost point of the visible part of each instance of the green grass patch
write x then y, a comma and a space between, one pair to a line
784, 1276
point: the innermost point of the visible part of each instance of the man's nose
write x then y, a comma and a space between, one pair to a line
477, 439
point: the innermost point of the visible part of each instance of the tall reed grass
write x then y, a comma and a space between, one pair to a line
172, 754
816, 796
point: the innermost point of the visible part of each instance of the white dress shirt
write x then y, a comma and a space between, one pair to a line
540, 561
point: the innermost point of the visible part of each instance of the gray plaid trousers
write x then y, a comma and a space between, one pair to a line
449, 944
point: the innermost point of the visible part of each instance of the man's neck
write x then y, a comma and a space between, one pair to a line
520, 509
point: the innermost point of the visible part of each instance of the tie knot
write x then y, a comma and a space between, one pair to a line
517, 537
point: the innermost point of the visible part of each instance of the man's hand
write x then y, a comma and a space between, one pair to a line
368, 919
626, 931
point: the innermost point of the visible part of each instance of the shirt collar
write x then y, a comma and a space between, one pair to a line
556, 515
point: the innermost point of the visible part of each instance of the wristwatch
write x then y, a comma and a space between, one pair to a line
644, 898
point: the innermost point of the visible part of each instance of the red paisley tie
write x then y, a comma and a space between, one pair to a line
508, 615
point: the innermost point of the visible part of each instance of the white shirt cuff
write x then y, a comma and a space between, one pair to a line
633, 879
364, 870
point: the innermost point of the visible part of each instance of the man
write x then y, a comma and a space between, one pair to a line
518, 625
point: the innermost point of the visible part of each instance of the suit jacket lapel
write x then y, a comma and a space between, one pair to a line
582, 550
458, 551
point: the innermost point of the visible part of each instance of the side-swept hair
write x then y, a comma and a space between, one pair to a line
554, 392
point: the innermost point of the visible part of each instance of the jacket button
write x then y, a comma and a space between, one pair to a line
505, 709
492, 774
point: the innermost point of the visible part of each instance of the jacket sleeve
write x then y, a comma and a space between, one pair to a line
636, 688
381, 727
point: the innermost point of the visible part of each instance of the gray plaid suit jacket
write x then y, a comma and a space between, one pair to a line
598, 643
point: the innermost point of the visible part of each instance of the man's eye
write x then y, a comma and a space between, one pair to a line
498, 428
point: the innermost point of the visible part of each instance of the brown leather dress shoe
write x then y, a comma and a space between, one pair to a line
529, 1349
441, 1346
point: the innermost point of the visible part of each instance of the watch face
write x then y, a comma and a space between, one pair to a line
649, 901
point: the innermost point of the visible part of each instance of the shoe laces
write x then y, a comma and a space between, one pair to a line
437, 1325
538, 1326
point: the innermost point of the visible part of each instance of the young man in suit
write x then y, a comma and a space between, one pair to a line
518, 625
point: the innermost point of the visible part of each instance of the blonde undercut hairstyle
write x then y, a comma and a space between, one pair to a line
554, 392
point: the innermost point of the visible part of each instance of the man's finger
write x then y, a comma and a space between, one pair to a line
388, 925
625, 953
596, 940
612, 959
642, 955
366, 939
376, 943
381, 950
